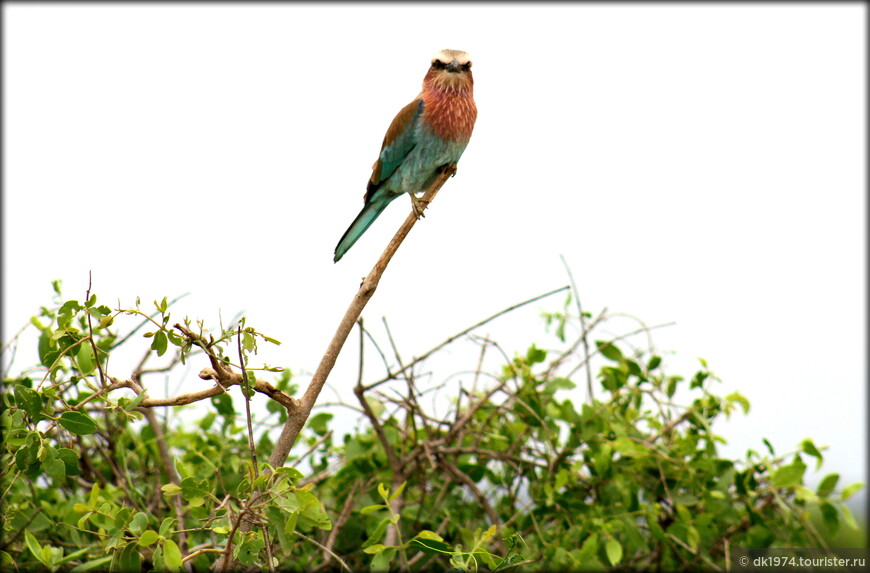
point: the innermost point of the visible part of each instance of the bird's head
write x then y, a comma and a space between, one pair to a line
450, 69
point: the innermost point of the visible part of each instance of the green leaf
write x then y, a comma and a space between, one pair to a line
172, 554
48, 351
78, 423
248, 549
34, 547
559, 384
161, 306
157, 559
249, 343
55, 469
290, 525
740, 399
629, 448
850, 490
827, 485
614, 551
698, 379
693, 538
100, 564
398, 491
223, 403
374, 548
166, 527
671, 387
809, 448
86, 360
609, 350
535, 355
70, 458
802, 493
277, 521
138, 523
789, 475
160, 343
590, 547
149, 537
130, 559
30, 401
312, 510
170, 489
376, 405
377, 534
66, 312
685, 498
319, 424
381, 561
654, 362
194, 491
848, 517
830, 518
129, 405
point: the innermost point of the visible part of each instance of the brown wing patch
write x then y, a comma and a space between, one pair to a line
400, 123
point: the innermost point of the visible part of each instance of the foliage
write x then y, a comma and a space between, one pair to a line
515, 475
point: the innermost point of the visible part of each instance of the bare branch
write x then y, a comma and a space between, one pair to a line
295, 422
299, 415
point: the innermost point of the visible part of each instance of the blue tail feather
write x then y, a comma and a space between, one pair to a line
359, 226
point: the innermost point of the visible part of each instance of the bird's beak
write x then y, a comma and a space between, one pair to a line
454, 66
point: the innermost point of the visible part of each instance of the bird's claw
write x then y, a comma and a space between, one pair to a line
418, 205
449, 168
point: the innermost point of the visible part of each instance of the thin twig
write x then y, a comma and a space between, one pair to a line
325, 549
490, 318
463, 478
247, 393
584, 332
618, 338
144, 322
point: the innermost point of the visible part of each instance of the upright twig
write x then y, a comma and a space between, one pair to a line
296, 421
298, 415
247, 390
583, 334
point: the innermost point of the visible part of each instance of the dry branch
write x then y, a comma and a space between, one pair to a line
296, 422
298, 415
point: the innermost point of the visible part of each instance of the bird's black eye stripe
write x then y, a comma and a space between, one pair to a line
439, 65
466, 66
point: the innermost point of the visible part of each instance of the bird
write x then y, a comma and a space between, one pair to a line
427, 135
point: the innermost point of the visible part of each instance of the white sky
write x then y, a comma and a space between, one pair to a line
702, 164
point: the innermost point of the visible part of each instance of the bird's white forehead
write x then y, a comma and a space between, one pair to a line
448, 56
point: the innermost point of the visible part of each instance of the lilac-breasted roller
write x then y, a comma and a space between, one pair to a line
430, 132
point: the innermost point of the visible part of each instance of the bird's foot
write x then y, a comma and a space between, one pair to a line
449, 168
418, 205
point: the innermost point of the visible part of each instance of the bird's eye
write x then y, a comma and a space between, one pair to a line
438, 64
466, 66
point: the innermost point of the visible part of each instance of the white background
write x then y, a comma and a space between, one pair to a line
702, 164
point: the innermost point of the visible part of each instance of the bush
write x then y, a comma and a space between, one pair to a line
515, 475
